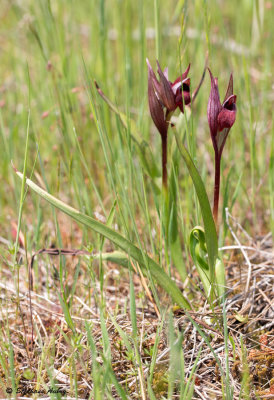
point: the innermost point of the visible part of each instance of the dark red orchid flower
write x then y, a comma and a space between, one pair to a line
221, 117
164, 96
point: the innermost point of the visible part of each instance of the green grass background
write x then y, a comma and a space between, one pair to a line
109, 41
51, 52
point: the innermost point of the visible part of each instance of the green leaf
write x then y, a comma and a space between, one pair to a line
173, 224
109, 221
211, 238
146, 263
112, 377
198, 251
241, 318
116, 257
189, 388
177, 258
173, 231
66, 312
122, 334
220, 277
175, 244
28, 374
133, 310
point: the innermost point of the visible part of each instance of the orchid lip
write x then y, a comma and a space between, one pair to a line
230, 103
179, 84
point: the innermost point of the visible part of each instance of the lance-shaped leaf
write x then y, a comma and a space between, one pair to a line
148, 265
209, 225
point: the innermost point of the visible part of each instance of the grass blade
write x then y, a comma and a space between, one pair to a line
145, 262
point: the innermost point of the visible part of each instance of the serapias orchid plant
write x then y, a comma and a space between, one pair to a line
164, 97
221, 118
